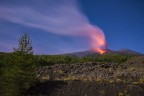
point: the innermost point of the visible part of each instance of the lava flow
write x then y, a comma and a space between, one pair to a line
100, 51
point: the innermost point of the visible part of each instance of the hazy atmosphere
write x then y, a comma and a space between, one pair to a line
71, 25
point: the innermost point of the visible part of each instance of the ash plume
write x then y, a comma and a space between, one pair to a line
62, 17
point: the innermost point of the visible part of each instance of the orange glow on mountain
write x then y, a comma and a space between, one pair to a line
98, 41
100, 51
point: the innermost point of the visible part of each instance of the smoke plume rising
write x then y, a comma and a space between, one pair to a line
56, 16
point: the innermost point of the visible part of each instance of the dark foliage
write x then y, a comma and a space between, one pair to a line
17, 69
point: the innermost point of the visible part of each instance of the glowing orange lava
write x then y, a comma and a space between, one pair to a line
100, 51
98, 41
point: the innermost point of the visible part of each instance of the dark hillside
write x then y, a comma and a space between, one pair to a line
127, 51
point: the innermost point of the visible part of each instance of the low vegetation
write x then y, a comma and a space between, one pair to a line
46, 60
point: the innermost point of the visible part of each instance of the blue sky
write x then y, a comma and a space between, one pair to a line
63, 26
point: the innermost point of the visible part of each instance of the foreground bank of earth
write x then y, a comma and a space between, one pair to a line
91, 79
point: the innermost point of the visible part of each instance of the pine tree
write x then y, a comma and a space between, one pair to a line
18, 71
24, 45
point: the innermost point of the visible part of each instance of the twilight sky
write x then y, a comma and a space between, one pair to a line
64, 26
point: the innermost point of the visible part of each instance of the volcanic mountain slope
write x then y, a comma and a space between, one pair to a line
127, 51
108, 51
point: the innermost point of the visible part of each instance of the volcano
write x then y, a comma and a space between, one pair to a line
107, 51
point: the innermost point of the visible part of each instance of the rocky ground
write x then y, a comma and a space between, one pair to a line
92, 79
94, 71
